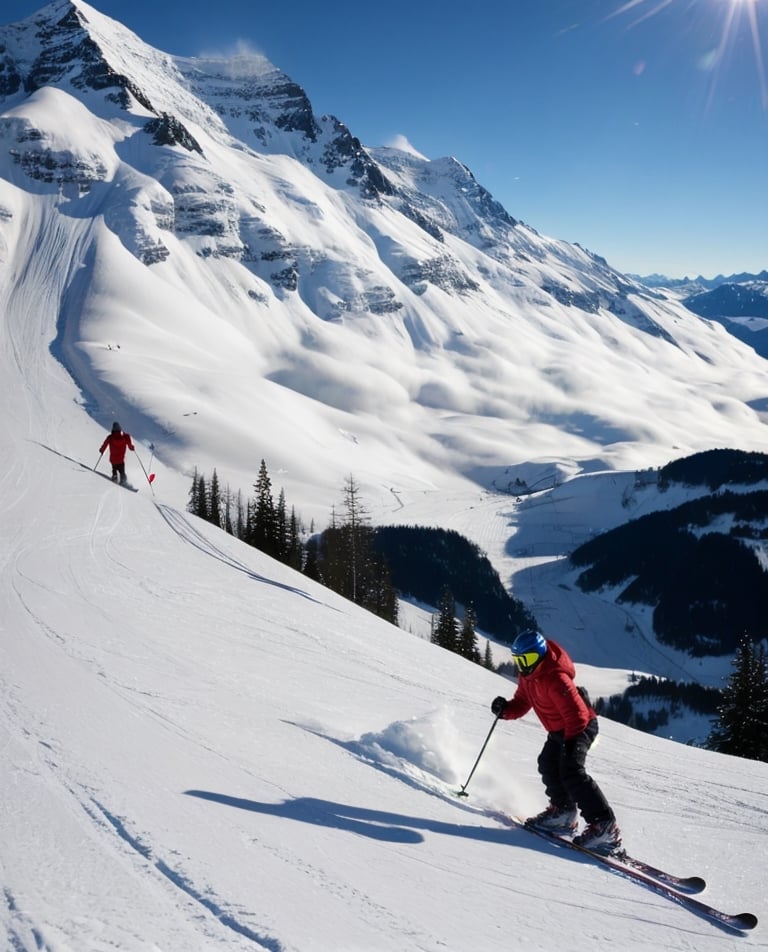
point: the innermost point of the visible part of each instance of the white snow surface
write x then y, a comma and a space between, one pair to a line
204, 750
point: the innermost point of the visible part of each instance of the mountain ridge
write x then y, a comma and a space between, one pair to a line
260, 227
195, 735
699, 283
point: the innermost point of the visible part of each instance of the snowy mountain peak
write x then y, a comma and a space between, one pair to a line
381, 309
203, 749
71, 42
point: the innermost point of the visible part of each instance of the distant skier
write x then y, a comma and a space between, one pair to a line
118, 442
546, 685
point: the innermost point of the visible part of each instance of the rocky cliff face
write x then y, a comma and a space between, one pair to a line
203, 199
167, 111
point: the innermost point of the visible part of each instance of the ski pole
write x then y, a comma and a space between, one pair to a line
463, 791
145, 473
98, 461
151, 476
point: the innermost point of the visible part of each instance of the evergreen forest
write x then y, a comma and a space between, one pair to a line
373, 566
696, 564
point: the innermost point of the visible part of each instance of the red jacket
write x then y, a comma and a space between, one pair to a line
117, 443
551, 692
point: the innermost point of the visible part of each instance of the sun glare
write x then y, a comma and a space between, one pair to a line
733, 15
737, 9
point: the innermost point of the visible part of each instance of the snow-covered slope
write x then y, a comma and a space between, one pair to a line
201, 749
215, 241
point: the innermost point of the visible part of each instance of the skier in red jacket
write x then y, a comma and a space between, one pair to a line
118, 442
547, 686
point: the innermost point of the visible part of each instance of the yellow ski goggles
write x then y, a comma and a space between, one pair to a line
525, 662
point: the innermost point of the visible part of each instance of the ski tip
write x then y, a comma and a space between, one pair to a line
693, 884
745, 921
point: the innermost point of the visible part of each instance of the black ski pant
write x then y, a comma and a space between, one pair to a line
562, 768
118, 471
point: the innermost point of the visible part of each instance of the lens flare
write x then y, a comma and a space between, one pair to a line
735, 11
735, 14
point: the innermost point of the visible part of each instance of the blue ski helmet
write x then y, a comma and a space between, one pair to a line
528, 649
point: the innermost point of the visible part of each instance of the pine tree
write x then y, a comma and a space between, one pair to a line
241, 519
467, 641
295, 550
194, 493
488, 658
258, 521
228, 525
202, 498
214, 506
357, 541
742, 727
281, 529
446, 633
263, 529
347, 561
249, 534
345, 548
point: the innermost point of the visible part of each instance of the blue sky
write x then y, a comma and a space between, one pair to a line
637, 128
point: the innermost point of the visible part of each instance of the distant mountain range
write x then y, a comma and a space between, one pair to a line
739, 302
700, 284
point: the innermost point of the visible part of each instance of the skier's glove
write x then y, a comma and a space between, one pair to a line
498, 706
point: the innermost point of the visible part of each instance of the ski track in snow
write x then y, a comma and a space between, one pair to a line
22, 933
202, 750
180, 881
183, 527
24, 936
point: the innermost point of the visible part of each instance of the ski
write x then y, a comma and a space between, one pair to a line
688, 884
131, 489
659, 880
116, 482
